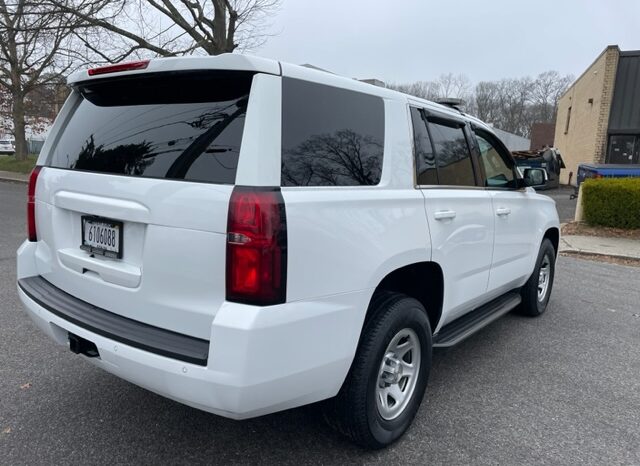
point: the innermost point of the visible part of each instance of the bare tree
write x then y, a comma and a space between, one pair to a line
428, 90
457, 86
509, 104
31, 39
334, 159
487, 101
515, 104
446, 86
545, 93
118, 29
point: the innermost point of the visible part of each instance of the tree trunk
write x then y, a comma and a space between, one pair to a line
220, 28
19, 126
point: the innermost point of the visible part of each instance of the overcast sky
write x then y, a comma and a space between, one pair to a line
410, 40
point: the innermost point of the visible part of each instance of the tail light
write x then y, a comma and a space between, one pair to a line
31, 204
129, 66
256, 246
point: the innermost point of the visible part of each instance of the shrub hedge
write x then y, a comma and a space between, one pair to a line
612, 202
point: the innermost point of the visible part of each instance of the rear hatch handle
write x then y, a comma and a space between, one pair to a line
117, 273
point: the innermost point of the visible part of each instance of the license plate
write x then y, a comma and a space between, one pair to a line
102, 236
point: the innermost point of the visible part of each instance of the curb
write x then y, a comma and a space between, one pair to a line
580, 252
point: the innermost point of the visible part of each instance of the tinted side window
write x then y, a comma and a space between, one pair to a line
452, 153
425, 159
497, 172
330, 136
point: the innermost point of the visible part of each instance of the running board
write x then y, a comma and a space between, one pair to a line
465, 326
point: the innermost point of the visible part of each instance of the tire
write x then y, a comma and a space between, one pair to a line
396, 323
534, 303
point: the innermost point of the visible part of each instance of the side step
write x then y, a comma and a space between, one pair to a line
456, 331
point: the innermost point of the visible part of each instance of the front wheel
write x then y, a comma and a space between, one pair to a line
386, 382
536, 292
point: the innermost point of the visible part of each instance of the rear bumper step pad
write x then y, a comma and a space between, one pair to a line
107, 324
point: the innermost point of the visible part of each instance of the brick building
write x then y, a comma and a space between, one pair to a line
598, 119
542, 135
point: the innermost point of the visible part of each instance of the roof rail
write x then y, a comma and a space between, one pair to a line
451, 102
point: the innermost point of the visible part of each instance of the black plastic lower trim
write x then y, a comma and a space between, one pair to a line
465, 326
107, 324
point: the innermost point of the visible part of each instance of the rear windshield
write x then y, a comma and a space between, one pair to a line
184, 126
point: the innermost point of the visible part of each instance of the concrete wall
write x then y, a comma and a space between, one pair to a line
585, 139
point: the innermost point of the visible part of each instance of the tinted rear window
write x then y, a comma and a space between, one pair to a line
425, 159
452, 152
185, 126
330, 136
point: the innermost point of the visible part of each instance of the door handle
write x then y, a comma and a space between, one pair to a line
444, 214
503, 211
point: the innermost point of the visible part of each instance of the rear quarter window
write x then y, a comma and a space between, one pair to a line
330, 136
182, 126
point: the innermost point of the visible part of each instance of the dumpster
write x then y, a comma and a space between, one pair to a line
604, 170
548, 159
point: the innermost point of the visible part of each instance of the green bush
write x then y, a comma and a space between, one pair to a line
612, 202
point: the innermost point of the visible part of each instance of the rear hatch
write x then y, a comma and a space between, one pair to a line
132, 201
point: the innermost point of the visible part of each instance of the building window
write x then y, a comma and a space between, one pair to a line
566, 126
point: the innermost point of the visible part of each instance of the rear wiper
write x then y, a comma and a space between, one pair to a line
181, 165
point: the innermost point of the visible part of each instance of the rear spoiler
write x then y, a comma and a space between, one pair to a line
226, 61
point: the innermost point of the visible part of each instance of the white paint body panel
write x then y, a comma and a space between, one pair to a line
515, 240
462, 245
342, 242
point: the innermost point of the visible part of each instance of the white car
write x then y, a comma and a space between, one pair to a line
246, 236
7, 147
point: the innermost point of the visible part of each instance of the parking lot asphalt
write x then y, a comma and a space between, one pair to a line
560, 389
566, 206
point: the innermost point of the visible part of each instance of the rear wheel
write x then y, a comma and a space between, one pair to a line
536, 292
386, 382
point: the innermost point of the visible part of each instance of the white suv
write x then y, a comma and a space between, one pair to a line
246, 236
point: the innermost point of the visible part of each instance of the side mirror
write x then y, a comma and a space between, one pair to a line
535, 177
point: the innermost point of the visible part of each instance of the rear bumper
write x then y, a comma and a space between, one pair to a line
260, 360
113, 326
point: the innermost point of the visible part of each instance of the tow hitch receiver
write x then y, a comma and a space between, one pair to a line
81, 346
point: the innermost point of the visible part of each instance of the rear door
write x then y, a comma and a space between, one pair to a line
458, 211
515, 223
133, 199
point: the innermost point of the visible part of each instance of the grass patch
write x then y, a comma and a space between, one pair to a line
8, 163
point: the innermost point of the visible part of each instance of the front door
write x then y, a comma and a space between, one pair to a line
624, 149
